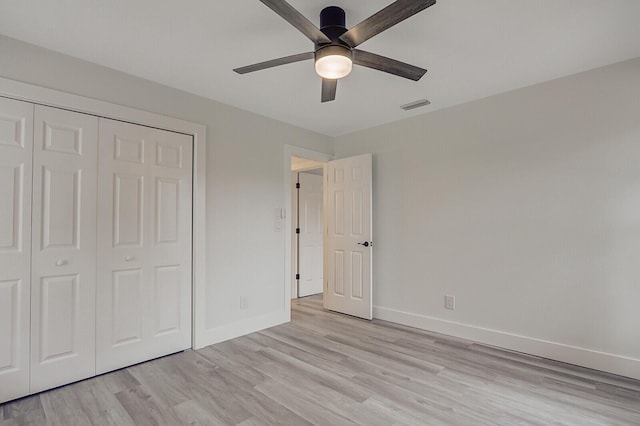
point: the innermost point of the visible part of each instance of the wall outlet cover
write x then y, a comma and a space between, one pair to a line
449, 302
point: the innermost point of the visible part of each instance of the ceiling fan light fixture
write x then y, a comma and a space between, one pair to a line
335, 44
333, 62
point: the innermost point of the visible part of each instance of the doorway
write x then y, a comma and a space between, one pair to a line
314, 158
347, 231
307, 211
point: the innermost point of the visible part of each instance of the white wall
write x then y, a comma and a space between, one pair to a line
526, 207
245, 154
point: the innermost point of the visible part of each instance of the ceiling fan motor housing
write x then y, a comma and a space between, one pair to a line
333, 23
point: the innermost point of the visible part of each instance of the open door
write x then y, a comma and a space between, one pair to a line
348, 261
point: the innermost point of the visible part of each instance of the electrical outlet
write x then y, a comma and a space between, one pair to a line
244, 302
449, 302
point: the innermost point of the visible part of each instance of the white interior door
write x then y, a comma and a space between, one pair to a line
144, 244
310, 222
349, 236
64, 247
16, 144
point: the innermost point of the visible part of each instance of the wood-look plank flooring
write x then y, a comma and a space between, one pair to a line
329, 369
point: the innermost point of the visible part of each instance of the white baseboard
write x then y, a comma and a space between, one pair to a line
239, 328
602, 361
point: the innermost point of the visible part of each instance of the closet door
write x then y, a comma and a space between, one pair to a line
16, 144
144, 244
64, 248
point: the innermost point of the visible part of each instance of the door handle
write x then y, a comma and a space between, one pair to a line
366, 244
129, 258
61, 262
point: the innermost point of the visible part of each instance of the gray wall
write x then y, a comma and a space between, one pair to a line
524, 205
245, 172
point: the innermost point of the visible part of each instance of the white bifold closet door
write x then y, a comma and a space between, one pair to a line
144, 244
16, 143
65, 161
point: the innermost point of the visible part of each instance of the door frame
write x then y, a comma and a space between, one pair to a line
289, 272
53, 98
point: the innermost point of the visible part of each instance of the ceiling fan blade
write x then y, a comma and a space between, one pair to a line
295, 18
396, 12
382, 63
329, 89
274, 63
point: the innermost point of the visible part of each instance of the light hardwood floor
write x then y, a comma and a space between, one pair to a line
329, 369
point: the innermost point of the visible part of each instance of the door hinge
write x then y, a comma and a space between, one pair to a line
298, 185
297, 276
297, 230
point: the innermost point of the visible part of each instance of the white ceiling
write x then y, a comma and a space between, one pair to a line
471, 48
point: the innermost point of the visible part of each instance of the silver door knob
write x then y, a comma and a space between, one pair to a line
61, 262
129, 258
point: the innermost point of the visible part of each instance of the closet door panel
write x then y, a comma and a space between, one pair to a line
16, 144
64, 248
127, 306
171, 239
144, 248
128, 210
122, 245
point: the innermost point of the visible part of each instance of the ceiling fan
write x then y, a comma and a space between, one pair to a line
335, 46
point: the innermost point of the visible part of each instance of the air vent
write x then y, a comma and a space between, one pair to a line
415, 104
